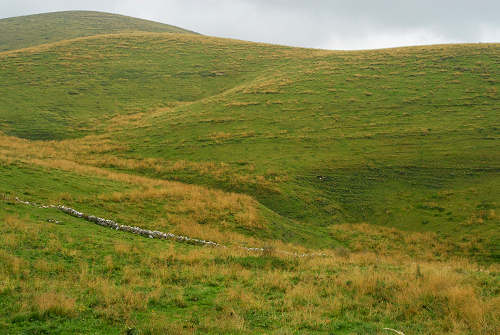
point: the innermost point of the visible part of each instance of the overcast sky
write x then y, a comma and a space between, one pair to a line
328, 24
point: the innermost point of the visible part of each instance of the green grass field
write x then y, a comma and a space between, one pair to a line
387, 161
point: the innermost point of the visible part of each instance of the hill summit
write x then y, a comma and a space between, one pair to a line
26, 31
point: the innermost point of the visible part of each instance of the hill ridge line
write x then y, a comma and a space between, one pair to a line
48, 46
320, 52
132, 33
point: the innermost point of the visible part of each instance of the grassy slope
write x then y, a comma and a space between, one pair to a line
311, 141
400, 137
26, 31
75, 277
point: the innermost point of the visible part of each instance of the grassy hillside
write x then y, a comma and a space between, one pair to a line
26, 31
69, 277
403, 137
385, 160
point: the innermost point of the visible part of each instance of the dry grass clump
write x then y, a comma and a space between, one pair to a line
207, 206
268, 85
116, 302
479, 217
14, 224
391, 241
160, 324
47, 267
55, 303
11, 240
12, 265
122, 248
443, 290
221, 137
187, 227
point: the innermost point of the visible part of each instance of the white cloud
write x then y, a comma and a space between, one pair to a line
489, 33
386, 39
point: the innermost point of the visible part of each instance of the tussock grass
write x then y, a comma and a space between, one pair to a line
148, 285
52, 303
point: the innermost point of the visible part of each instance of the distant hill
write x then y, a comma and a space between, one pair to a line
31, 30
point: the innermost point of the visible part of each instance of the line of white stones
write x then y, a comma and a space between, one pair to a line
151, 233
130, 229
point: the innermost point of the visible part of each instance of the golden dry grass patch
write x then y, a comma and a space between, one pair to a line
55, 303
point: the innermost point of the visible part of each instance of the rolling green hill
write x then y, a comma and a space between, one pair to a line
399, 137
26, 31
385, 160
